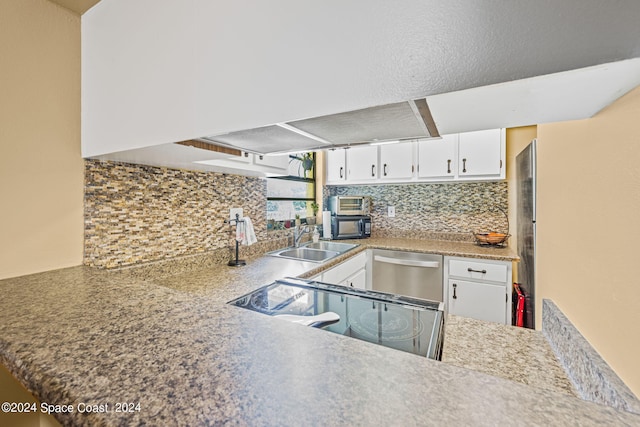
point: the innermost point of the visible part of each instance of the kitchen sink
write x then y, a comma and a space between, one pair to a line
305, 254
330, 246
314, 252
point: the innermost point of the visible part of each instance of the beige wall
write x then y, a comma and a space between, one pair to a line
588, 229
41, 171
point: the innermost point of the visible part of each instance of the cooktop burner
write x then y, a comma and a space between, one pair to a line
395, 321
386, 325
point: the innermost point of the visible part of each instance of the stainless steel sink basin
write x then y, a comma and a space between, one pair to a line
314, 252
330, 246
305, 254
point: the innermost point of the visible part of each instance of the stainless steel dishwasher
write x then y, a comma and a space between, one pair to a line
408, 273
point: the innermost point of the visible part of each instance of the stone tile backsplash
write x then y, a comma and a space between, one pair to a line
136, 214
445, 211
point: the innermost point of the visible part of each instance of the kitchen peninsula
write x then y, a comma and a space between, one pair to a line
173, 345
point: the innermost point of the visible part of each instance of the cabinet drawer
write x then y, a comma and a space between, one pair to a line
478, 270
342, 271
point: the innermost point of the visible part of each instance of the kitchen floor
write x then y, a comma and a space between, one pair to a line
517, 354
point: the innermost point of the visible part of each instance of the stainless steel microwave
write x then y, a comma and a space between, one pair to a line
350, 227
350, 205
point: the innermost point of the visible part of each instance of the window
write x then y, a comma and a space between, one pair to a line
288, 196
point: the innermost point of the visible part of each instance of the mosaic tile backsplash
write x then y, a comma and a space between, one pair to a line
136, 214
446, 211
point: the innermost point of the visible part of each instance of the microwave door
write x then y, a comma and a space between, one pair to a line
348, 228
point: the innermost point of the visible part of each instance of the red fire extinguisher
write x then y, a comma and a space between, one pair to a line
519, 305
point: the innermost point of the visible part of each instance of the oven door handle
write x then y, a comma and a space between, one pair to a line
407, 262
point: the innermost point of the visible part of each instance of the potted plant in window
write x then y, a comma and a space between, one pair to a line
306, 163
314, 208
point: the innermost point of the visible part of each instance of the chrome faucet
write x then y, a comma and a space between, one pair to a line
298, 232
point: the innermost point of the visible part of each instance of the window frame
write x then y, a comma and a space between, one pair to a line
312, 181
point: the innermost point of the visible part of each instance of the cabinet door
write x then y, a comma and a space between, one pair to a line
339, 274
480, 153
437, 158
358, 280
396, 161
279, 162
362, 163
244, 157
480, 301
336, 165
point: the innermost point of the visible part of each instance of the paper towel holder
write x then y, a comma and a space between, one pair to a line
236, 262
326, 225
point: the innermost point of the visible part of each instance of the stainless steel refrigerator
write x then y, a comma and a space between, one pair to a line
526, 226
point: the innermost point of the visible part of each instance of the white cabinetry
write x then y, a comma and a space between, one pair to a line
274, 165
280, 162
396, 161
336, 166
480, 154
351, 272
478, 288
362, 163
244, 157
357, 280
470, 156
438, 158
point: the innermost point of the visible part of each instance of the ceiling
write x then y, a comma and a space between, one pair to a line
569, 95
478, 64
77, 6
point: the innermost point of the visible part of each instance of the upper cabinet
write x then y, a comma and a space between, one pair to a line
336, 165
438, 158
396, 161
480, 154
279, 162
470, 156
362, 163
248, 164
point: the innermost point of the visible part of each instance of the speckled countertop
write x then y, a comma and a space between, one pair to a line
80, 335
443, 247
518, 354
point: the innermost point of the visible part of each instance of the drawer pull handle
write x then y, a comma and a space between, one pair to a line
454, 291
341, 172
464, 165
448, 165
471, 270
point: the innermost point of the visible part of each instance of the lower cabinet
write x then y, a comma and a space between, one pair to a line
351, 272
481, 301
478, 288
357, 280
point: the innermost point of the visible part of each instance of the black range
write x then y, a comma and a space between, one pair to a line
404, 323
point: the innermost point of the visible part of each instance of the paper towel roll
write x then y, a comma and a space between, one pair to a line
326, 224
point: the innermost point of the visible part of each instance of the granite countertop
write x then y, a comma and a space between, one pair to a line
442, 247
518, 354
171, 343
